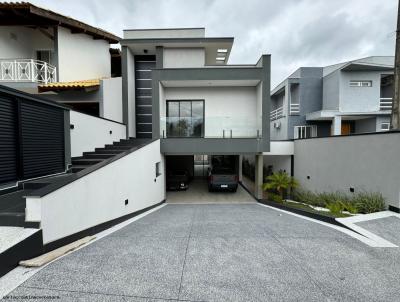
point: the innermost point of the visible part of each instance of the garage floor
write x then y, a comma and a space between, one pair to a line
198, 193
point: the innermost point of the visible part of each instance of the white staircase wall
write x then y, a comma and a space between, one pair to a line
100, 196
91, 132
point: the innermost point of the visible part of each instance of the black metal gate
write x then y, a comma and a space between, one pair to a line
31, 137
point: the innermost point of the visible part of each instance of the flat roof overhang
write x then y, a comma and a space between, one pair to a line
211, 83
366, 67
211, 46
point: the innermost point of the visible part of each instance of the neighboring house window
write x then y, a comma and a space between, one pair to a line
385, 126
185, 118
305, 131
360, 83
158, 169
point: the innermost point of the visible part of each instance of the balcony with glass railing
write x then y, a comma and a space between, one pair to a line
27, 70
210, 127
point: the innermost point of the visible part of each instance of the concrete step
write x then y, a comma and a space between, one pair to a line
108, 151
117, 147
79, 168
99, 156
15, 219
86, 161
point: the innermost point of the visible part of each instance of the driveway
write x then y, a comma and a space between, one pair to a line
238, 252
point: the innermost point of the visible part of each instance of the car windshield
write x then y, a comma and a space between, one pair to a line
222, 171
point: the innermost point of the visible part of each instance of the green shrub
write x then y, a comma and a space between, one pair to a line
369, 202
335, 208
308, 197
279, 182
275, 197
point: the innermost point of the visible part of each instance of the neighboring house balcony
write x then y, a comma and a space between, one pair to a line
276, 114
27, 70
386, 104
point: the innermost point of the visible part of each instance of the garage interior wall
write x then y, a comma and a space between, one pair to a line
368, 162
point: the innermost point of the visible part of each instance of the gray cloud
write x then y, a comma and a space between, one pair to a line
295, 32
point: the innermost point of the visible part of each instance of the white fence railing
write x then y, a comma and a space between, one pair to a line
294, 109
27, 70
276, 114
386, 103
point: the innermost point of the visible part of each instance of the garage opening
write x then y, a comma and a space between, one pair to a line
204, 179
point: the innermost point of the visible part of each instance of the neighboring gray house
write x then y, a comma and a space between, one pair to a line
350, 97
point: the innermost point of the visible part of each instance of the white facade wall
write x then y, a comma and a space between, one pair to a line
18, 42
80, 57
183, 57
91, 132
225, 108
100, 196
278, 163
111, 101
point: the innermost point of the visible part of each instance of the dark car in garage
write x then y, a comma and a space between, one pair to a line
177, 180
224, 179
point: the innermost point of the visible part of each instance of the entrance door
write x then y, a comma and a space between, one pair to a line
346, 128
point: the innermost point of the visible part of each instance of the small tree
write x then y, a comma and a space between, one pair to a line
280, 182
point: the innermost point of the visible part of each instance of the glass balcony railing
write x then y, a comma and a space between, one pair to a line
210, 127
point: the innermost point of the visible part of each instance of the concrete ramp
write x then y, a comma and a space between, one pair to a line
382, 227
16, 244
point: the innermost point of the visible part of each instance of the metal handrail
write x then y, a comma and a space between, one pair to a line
27, 70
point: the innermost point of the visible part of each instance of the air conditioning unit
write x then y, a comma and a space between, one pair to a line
277, 125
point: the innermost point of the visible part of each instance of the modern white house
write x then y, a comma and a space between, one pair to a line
178, 87
60, 58
346, 98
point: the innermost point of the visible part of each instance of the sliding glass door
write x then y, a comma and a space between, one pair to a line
185, 118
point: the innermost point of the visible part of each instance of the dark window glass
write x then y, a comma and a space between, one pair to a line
185, 118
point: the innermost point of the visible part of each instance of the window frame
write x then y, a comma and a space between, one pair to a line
191, 114
360, 83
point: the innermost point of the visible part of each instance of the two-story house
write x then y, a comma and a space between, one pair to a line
346, 98
60, 58
179, 87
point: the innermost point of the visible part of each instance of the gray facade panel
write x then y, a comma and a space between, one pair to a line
223, 73
354, 161
210, 146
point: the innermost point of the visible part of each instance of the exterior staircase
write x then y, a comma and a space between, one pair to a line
12, 204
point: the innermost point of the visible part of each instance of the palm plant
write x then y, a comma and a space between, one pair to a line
280, 182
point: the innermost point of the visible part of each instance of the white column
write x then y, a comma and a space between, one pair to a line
337, 125
258, 192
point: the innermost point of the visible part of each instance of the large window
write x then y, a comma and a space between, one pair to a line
185, 118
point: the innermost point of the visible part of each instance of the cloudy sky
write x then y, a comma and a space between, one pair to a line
295, 32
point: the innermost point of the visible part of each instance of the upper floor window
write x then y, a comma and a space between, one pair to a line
360, 83
185, 118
